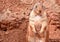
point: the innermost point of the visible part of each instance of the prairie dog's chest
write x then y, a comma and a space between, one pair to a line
37, 18
34, 17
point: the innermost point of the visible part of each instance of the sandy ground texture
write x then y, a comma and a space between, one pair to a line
14, 15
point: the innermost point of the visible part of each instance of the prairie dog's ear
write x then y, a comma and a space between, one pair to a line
44, 14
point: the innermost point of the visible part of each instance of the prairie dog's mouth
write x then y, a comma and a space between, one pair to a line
38, 12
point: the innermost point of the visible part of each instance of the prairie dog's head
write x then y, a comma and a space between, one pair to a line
38, 9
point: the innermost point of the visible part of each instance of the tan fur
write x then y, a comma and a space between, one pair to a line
38, 19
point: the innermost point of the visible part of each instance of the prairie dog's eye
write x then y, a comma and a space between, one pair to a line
36, 6
39, 11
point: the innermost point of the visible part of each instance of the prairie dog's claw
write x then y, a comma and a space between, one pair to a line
34, 31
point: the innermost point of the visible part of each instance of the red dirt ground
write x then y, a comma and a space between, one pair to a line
14, 15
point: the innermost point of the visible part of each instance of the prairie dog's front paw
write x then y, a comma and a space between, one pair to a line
34, 31
41, 31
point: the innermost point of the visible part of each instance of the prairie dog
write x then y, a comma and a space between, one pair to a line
37, 19
38, 16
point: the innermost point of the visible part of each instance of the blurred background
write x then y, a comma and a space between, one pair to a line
14, 15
